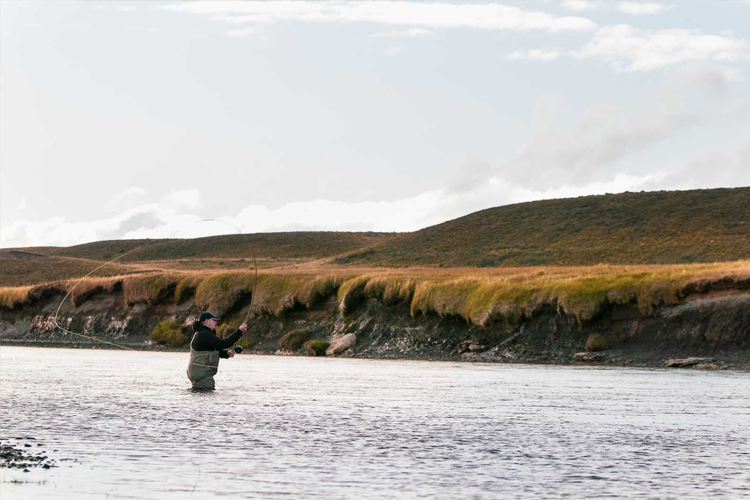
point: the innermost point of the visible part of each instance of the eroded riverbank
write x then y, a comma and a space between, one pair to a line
712, 326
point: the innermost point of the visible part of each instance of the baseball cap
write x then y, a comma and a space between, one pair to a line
207, 315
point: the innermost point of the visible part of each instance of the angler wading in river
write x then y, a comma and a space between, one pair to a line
205, 350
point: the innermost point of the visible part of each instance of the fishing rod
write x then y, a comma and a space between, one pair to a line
237, 349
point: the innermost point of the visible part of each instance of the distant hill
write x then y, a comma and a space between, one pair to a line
19, 268
671, 227
294, 245
629, 228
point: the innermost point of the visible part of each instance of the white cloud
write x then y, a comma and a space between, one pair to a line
638, 8
117, 8
407, 214
246, 32
433, 15
534, 55
627, 48
713, 170
129, 196
580, 5
410, 33
22, 205
392, 50
591, 147
183, 199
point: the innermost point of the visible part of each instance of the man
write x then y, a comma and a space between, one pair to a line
205, 350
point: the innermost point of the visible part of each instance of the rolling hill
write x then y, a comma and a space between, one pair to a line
674, 227
294, 245
629, 228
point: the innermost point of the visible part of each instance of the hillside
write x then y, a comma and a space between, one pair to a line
19, 268
630, 228
295, 245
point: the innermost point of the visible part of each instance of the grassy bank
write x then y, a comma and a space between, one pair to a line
479, 296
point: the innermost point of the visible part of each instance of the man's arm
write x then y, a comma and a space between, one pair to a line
207, 341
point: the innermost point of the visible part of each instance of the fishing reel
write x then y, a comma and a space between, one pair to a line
238, 349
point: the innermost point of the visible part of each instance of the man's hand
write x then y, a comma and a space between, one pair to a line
243, 327
230, 353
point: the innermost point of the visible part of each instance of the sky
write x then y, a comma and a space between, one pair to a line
124, 120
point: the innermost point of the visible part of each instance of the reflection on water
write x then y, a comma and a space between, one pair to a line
340, 428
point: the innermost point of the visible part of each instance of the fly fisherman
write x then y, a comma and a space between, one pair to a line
205, 350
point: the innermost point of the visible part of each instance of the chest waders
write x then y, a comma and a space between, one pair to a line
202, 368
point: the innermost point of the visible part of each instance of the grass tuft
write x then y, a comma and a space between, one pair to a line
186, 287
350, 293
92, 286
148, 289
220, 293
13, 297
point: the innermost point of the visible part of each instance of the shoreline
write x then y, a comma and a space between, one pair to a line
614, 359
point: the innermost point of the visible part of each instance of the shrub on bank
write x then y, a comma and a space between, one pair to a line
316, 347
293, 340
169, 333
596, 342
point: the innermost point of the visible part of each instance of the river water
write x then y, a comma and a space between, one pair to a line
295, 427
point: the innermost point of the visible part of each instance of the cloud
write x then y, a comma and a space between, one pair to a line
713, 169
246, 32
580, 5
534, 55
117, 8
638, 8
407, 214
129, 196
178, 199
392, 50
627, 48
589, 148
410, 33
22, 205
427, 15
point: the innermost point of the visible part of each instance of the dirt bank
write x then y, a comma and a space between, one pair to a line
713, 325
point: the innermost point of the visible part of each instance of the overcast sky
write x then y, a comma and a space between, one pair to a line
134, 119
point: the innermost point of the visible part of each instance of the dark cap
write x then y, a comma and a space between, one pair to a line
207, 315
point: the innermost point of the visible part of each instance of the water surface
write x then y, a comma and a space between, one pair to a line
281, 427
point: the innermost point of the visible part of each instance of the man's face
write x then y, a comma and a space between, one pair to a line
211, 323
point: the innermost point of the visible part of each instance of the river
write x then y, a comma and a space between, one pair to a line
125, 425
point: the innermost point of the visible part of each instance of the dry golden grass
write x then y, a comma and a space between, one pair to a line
480, 296
12, 297
150, 289
92, 286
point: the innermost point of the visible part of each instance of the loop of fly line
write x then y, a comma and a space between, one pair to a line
95, 339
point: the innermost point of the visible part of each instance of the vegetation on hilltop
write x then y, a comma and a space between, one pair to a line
631, 228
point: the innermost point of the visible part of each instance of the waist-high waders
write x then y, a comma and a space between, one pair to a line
202, 368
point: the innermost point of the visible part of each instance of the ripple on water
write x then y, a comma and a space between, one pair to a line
337, 428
